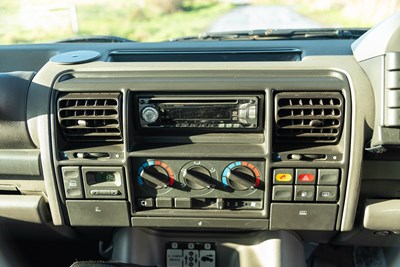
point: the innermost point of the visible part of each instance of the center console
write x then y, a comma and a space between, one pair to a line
250, 150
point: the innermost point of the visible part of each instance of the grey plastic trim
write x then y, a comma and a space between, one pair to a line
200, 223
31, 209
38, 110
362, 120
114, 76
20, 162
383, 38
261, 249
382, 215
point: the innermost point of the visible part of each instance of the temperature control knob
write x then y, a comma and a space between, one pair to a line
155, 175
150, 114
241, 176
198, 177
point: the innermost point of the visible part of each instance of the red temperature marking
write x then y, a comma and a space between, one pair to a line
256, 172
170, 172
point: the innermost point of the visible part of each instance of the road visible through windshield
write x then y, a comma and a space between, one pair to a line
262, 17
41, 21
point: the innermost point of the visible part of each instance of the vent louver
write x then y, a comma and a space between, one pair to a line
90, 116
309, 117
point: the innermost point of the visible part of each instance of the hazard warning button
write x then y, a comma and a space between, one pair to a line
306, 176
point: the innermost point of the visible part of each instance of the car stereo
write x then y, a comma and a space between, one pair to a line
195, 112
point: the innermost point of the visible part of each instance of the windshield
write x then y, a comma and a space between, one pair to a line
42, 21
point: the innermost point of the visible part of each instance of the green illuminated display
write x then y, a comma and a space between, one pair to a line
101, 177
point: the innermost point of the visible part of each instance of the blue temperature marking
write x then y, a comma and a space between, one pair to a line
231, 166
224, 175
238, 163
151, 163
140, 170
140, 180
224, 181
146, 164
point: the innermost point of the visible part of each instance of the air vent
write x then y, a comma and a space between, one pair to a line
90, 116
309, 117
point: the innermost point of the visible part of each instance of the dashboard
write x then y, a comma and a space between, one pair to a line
263, 138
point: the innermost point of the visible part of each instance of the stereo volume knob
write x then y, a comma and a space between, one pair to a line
150, 114
198, 177
241, 178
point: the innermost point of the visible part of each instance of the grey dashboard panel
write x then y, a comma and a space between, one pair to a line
204, 77
36, 55
329, 58
324, 64
24, 208
13, 100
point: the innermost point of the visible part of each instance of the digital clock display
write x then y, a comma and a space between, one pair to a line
101, 177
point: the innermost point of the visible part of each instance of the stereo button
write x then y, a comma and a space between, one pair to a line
242, 113
252, 112
150, 114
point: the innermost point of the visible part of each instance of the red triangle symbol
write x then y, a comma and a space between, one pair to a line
305, 178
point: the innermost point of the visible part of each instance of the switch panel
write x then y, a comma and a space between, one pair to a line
72, 182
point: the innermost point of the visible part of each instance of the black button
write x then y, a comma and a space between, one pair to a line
115, 192
304, 193
328, 176
146, 202
306, 176
163, 202
72, 182
282, 193
327, 193
243, 204
183, 203
94, 192
283, 176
